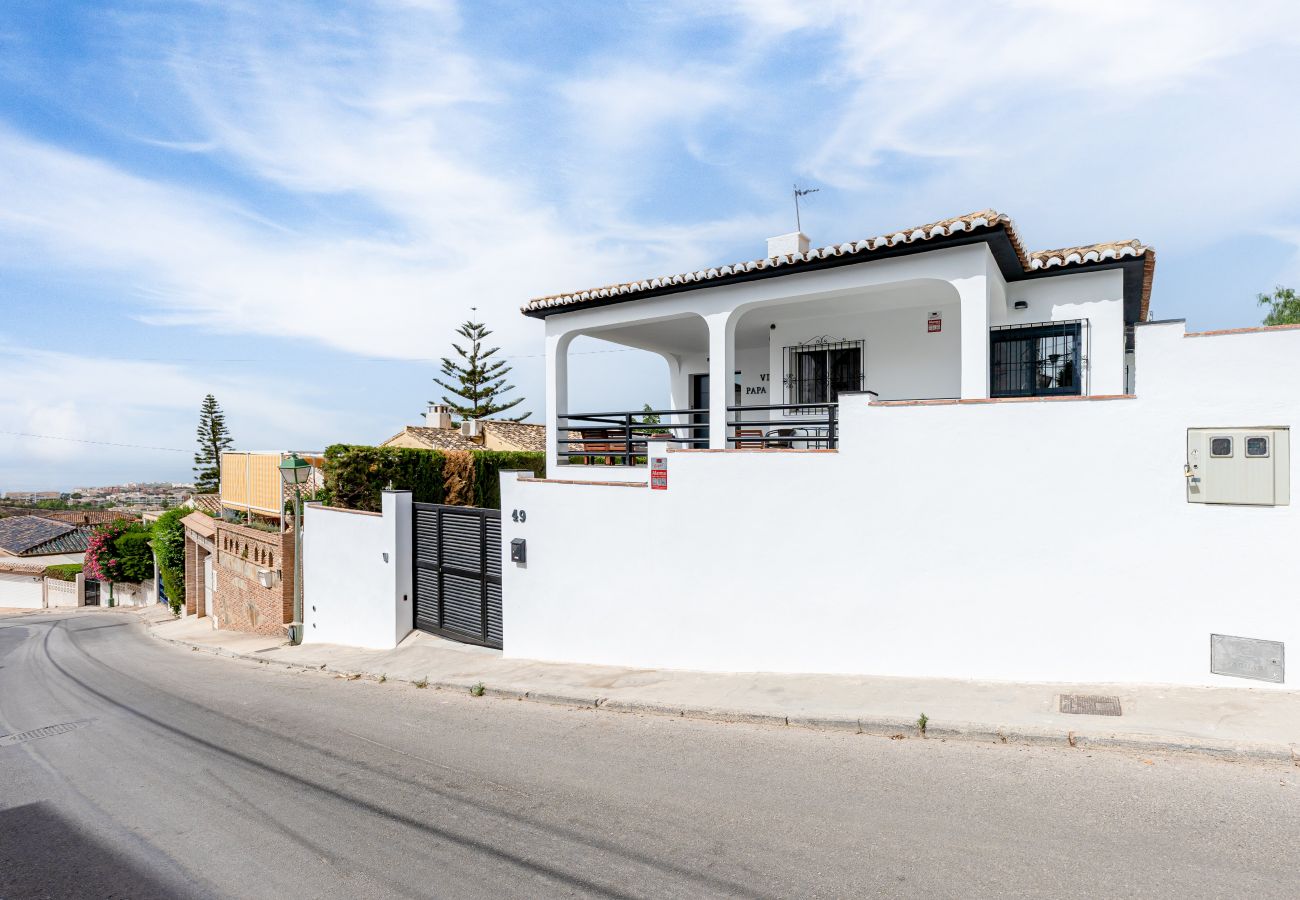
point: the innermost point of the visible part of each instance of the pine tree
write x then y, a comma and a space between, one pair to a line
479, 382
213, 438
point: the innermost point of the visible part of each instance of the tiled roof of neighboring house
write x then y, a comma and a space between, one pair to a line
18, 534
1013, 259
517, 434
436, 438
201, 522
207, 503
81, 516
75, 541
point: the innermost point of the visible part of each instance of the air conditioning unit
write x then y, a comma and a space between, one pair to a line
265, 577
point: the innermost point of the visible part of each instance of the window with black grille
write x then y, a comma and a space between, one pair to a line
816, 372
1038, 360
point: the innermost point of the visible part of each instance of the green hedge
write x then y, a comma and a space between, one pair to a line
64, 572
169, 549
355, 476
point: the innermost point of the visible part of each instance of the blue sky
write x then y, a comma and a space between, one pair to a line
292, 205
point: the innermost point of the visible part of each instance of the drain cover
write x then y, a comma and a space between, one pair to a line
1090, 705
47, 731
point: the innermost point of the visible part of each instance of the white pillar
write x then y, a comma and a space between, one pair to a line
974, 336
557, 396
722, 375
400, 532
679, 394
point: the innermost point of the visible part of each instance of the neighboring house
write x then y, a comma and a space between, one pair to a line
251, 483
85, 517
438, 433
44, 541
206, 503
239, 575
930, 453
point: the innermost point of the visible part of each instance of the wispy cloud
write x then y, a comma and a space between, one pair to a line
62, 414
357, 177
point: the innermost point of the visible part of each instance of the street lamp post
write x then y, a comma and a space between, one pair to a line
295, 471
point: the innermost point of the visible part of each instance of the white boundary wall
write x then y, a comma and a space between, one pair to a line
1028, 541
65, 593
357, 574
21, 591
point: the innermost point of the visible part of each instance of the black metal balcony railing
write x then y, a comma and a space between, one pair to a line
603, 438
815, 428
610, 438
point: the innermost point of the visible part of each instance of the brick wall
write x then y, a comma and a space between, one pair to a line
193, 576
241, 602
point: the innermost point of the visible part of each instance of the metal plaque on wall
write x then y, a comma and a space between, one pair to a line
1248, 658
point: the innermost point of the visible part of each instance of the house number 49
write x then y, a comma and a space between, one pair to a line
519, 515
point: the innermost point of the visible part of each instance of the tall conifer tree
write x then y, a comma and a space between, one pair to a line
213, 438
476, 382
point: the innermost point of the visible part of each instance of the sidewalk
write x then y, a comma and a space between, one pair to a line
1229, 722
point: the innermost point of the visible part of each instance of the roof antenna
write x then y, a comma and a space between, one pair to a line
800, 192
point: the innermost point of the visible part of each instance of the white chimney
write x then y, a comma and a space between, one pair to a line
787, 244
438, 416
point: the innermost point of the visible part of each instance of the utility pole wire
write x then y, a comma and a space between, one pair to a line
56, 437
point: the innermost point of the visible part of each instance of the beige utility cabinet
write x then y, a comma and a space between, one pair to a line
1245, 466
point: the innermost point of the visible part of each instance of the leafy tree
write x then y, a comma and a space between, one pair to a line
1283, 306
476, 381
213, 438
650, 418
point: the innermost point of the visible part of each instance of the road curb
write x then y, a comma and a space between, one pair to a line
886, 727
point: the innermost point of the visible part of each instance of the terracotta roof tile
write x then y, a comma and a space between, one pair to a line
985, 220
517, 434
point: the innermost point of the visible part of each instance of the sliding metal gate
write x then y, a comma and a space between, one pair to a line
458, 572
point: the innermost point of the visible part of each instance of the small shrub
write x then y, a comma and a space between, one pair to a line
476, 690
64, 572
422, 683
921, 723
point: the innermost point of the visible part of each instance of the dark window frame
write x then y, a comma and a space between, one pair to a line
842, 367
1023, 377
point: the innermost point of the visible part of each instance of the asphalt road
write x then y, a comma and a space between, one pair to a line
188, 775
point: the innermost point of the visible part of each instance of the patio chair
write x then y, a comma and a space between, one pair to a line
597, 442
750, 433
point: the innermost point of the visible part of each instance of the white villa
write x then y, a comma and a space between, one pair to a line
954, 310
934, 453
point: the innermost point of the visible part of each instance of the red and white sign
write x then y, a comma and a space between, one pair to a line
934, 324
658, 473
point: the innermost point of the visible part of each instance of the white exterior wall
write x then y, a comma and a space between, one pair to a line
357, 574
1098, 298
59, 594
22, 591
1031, 541
903, 360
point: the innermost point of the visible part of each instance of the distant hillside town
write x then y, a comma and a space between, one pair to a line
134, 495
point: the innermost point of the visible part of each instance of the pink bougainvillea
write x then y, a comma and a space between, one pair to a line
100, 564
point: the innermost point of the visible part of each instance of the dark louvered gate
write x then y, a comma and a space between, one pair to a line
458, 572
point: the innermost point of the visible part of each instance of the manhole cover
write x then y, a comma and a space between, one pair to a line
36, 733
1090, 705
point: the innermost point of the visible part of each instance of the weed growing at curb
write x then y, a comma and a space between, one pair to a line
923, 721
383, 678
422, 683
476, 690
